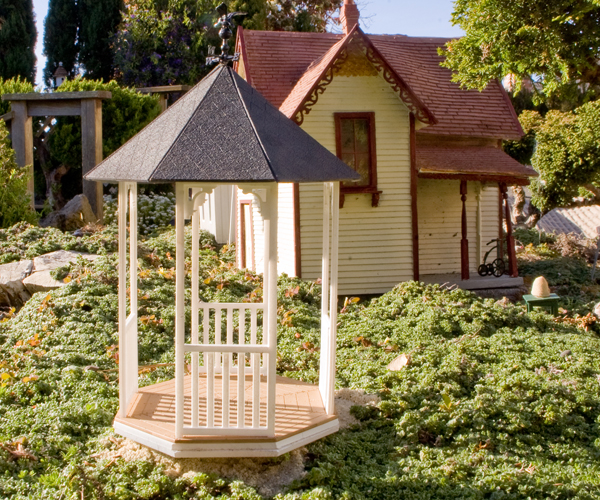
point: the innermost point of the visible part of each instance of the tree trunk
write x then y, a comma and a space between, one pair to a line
518, 209
53, 186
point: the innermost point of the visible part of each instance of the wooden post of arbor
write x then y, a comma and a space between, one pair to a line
88, 105
22, 141
510, 241
91, 150
464, 242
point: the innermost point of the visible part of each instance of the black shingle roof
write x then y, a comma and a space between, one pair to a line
222, 130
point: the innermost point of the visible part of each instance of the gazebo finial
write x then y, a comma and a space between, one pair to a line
226, 23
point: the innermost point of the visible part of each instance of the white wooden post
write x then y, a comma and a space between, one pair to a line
122, 294
325, 320
131, 356
329, 287
180, 202
195, 301
270, 301
128, 334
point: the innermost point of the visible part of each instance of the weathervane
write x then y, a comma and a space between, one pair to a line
226, 23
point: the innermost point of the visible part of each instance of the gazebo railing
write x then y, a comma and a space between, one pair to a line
225, 359
232, 388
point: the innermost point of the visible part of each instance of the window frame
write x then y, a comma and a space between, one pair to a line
370, 116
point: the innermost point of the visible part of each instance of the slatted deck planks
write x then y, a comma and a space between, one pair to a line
298, 408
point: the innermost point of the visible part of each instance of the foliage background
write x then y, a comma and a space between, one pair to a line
18, 35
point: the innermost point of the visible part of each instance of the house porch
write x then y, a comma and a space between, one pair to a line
475, 282
300, 418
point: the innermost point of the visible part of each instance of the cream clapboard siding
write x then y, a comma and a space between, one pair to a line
490, 220
439, 209
217, 214
375, 243
285, 231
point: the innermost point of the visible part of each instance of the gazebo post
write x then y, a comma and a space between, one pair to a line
180, 202
270, 299
329, 293
128, 335
195, 301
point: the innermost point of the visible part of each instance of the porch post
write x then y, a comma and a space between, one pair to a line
500, 252
480, 243
510, 241
179, 305
464, 242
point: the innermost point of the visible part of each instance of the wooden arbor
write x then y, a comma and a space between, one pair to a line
88, 105
232, 403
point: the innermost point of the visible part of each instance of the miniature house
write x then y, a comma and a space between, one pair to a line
231, 403
432, 192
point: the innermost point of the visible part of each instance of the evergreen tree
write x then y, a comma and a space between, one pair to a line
99, 20
60, 37
17, 39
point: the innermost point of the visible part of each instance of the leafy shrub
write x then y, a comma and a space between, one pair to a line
154, 211
13, 86
493, 402
24, 241
15, 202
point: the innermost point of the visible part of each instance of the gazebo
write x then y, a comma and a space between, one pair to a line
231, 403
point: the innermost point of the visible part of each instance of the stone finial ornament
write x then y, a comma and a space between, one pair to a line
540, 288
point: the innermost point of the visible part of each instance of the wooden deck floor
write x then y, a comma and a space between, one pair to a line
298, 408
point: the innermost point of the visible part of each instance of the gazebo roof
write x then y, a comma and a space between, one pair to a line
222, 130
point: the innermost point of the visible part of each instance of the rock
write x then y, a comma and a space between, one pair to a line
60, 258
565, 354
597, 310
41, 282
12, 291
399, 363
75, 214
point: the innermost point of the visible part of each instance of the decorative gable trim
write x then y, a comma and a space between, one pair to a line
240, 48
323, 71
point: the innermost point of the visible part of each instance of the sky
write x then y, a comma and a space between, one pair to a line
406, 17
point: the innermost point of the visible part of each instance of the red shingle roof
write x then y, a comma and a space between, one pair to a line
483, 161
276, 61
311, 76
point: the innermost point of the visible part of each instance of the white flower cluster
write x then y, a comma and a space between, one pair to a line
154, 211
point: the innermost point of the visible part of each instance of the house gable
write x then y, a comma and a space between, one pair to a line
362, 55
375, 242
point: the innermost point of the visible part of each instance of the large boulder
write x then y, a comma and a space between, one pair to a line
12, 291
60, 258
41, 282
75, 214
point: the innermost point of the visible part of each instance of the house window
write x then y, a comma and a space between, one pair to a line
355, 138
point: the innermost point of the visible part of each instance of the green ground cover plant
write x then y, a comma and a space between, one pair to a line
493, 403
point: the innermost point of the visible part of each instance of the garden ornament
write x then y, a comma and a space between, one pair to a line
540, 288
225, 33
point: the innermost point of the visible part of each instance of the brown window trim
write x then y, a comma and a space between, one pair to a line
372, 187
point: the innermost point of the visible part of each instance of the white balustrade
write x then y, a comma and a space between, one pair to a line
230, 358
